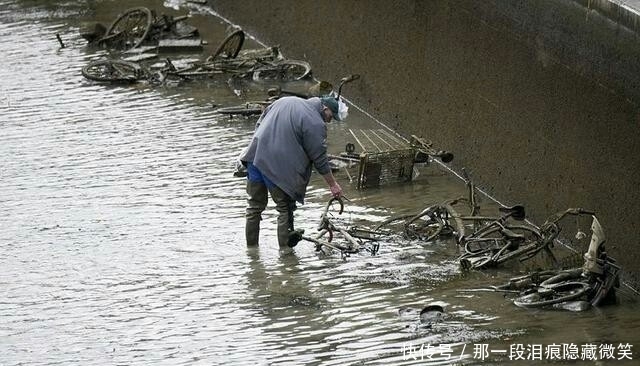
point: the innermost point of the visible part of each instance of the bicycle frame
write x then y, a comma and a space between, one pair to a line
436, 220
482, 224
549, 232
327, 227
592, 283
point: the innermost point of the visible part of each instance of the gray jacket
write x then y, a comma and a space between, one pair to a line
290, 138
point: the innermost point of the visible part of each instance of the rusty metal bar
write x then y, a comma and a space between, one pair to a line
371, 140
357, 140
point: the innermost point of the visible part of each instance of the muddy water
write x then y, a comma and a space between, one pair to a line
121, 235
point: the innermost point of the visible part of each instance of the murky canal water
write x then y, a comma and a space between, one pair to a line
121, 235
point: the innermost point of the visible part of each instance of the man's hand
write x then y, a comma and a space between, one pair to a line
336, 190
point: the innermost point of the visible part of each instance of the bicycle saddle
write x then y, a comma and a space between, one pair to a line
516, 211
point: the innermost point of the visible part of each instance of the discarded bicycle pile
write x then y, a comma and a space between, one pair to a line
138, 27
356, 239
259, 64
265, 64
575, 289
496, 241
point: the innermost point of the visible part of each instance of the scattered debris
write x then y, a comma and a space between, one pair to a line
60, 40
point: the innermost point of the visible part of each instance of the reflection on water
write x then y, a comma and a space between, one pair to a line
121, 235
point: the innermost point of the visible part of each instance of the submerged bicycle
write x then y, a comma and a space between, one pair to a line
443, 219
355, 239
593, 284
118, 71
140, 26
480, 253
433, 221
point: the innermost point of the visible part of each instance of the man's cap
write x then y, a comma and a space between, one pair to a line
338, 108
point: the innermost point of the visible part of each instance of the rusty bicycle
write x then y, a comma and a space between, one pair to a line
355, 239
592, 284
140, 25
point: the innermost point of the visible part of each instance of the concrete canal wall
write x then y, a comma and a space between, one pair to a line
538, 99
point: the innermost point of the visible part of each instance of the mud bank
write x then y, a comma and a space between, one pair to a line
539, 100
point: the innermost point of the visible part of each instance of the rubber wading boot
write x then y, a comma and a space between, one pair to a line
283, 230
252, 232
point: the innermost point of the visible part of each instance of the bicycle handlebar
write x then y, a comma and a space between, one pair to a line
324, 221
344, 80
339, 199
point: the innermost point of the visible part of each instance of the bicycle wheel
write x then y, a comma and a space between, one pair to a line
497, 244
285, 70
230, 47
553, 294
247, 109
529, 233
129, 29
425, 226
112, 71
